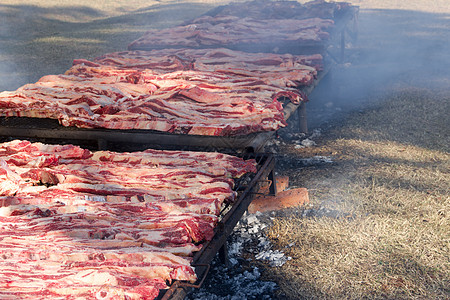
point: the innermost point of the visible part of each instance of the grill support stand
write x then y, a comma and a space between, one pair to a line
273, 185
223, 254
302, 118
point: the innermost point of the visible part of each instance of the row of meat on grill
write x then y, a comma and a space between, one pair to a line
106, 225
212, 91
239, 95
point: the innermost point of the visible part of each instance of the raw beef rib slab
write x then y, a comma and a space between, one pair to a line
235, 32
181, 102
106, 225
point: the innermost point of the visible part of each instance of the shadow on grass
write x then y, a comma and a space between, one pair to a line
403, 269
37, 41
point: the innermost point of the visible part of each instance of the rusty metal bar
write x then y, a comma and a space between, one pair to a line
302, 118
273, 187
223, 253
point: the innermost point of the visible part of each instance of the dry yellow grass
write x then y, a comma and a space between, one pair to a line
390, 186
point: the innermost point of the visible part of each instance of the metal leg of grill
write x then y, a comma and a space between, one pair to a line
302, 119
223, 254
273, 185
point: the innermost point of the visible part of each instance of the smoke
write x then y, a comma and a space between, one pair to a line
43, 38
7, 65
7, 77
17, 22
394, 48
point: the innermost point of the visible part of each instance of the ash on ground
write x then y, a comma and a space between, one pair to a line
298, 139
239, 278
286, 139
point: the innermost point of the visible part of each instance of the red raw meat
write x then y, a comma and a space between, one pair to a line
230, 31
9, 181
106, 224
170, 102
288, 70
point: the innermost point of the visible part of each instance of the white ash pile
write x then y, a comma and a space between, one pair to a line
250, 233
239, 279
298, 139
317, 159
285, 140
